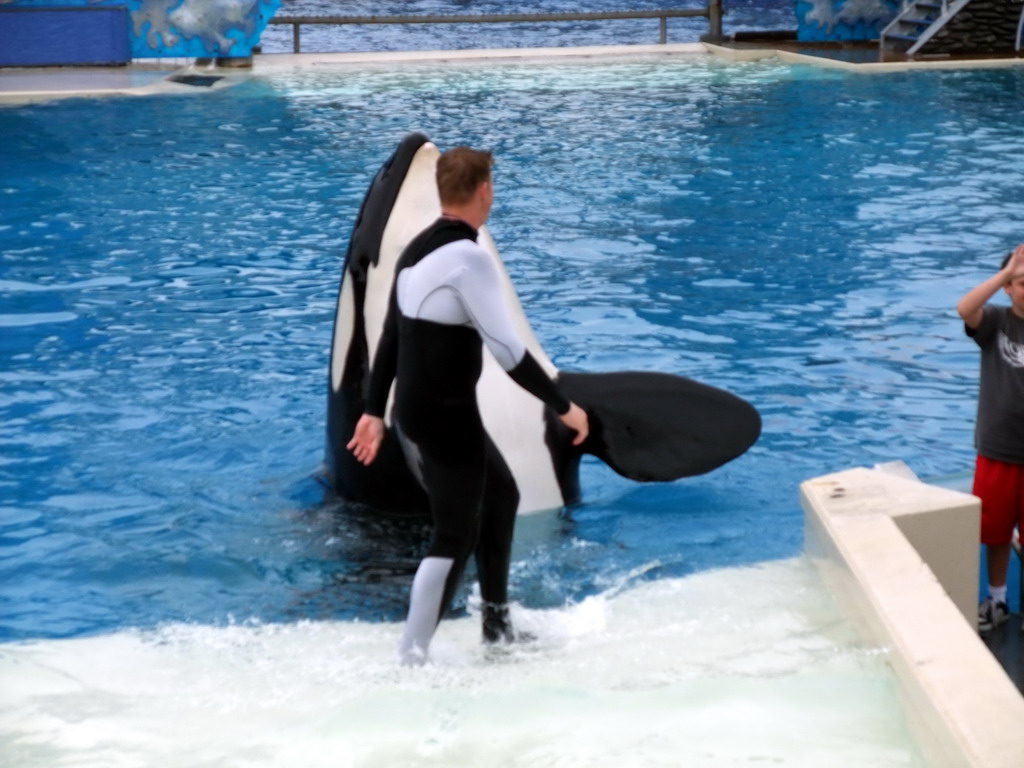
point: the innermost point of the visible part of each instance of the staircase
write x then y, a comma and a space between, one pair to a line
917, 23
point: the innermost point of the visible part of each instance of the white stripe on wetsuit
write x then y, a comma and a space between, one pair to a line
424, 606
458, 284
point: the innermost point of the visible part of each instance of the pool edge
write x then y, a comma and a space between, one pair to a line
901, 558
75, 86
36, 85
756, 52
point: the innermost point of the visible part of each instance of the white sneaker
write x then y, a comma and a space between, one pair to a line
991, 614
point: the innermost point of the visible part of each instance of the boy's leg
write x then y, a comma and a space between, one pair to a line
996, 484
998, 562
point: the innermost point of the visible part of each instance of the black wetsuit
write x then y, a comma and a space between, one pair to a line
446, 302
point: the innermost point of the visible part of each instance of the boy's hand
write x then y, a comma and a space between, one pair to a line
972, 306
1015, 266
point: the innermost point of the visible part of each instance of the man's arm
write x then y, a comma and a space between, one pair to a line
369, 431
972, 306
385, 361
482, 296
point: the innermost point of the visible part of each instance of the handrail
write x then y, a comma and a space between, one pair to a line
949, 9
1020, 28
713, 12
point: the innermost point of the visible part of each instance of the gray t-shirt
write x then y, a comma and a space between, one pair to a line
999, 431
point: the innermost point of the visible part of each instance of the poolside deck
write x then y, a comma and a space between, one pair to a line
1007, 645
859, 56
852, 51
26, 85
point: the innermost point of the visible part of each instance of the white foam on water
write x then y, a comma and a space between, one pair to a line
730, 667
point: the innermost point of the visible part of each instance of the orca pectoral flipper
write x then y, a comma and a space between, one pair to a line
657, 426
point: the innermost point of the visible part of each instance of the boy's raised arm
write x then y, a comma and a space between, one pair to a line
971, 307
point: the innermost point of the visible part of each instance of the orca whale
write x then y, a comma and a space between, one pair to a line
647, 426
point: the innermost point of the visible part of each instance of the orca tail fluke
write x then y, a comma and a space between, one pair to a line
660, 427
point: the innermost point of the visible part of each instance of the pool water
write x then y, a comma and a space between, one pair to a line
168, 274
739, 16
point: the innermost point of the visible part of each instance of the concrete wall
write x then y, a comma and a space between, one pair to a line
42, 37
835, 20
902, 559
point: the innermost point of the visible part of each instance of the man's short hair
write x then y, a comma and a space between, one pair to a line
460, 171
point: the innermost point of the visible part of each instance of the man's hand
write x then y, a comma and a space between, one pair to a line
576, 419
367, 438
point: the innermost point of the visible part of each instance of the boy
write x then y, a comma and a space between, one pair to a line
999, 431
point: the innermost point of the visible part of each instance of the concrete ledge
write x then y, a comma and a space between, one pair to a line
878, 67
34, 85
269, 62
754, 53
902, 559
740, 54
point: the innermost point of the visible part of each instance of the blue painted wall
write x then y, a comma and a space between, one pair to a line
155, 28
836, 20
39, 37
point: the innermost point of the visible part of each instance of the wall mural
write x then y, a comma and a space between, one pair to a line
186, 28
843, 19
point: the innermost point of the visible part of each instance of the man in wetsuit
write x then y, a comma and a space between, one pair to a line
447, 302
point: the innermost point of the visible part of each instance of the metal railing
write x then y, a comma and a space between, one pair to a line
713, 12
1020, 29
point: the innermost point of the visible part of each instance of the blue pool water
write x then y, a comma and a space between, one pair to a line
740, 16
168, 273
169, 268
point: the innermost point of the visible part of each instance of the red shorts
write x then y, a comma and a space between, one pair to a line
1000, 486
